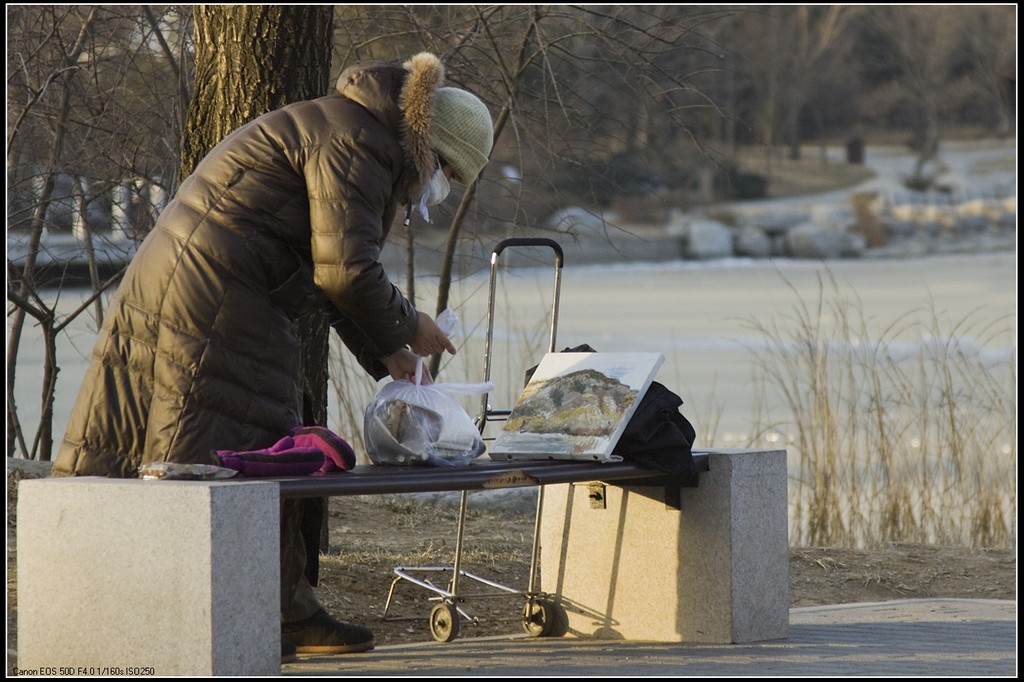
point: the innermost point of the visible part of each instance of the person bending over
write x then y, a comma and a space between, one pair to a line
289, 212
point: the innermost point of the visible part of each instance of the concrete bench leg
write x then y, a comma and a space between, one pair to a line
148, 578
715, 570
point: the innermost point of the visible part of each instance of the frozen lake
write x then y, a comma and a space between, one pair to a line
699, 315
704, 317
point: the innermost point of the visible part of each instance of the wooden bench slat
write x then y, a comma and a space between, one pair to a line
482, 474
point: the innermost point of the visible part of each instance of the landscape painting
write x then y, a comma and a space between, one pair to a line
576, 406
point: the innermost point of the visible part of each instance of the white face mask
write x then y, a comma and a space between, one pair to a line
435, 192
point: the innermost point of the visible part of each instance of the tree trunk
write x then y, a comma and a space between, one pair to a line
251, 59
793, 130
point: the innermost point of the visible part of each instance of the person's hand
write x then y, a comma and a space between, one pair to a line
402, 365
429, 339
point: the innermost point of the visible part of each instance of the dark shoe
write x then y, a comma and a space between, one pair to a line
288, 653
322, 634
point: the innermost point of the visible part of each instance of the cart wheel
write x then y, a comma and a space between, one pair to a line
544, 618
444, 622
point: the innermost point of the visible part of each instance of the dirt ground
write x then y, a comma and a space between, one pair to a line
372, 535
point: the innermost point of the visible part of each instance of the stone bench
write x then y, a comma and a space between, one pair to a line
181, 577
706, 564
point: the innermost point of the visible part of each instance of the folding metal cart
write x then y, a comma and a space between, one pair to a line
541, 615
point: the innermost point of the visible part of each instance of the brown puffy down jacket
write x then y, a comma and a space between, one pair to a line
198, 352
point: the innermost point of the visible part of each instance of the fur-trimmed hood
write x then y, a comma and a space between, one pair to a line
426, 75
402, 96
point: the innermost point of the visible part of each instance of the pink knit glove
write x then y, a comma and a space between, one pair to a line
338, 454
283, 458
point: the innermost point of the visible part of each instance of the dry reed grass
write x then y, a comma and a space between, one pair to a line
907, 435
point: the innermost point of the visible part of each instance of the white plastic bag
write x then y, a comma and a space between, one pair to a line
409, 422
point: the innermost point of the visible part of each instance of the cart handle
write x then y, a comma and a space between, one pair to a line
488, 339
531, 241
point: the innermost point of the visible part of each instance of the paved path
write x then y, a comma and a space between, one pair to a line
904, 638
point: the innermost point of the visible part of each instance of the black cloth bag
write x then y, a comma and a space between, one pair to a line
658, 436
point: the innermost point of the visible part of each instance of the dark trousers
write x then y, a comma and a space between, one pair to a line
301, 524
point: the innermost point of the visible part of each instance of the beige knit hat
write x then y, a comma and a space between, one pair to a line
461, 132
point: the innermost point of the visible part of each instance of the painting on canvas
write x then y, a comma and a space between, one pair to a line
576, 406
